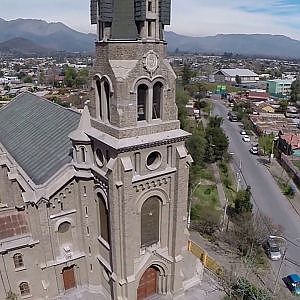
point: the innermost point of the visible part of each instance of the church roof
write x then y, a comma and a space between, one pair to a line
34, 131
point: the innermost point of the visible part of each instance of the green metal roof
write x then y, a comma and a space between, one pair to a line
35, 132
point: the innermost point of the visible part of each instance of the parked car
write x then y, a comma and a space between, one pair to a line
272, 249
243, 132
232, 117
292, 282
254, 150
246, 138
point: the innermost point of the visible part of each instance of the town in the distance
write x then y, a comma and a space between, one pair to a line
134, 170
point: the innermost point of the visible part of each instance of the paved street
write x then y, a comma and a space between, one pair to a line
266, 194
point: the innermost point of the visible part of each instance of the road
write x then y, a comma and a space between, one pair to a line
267, 196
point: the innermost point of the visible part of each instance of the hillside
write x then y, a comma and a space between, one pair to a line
48, 35
23, 47
266, 45
58, 36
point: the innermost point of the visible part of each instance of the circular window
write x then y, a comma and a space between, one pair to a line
99, 158
64, 227
153, 160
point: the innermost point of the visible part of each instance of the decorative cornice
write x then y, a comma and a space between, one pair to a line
152, 144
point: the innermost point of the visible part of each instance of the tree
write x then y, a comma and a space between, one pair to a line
295, 90
242, 202
250, 231
217, 141
82, 78
266, 143
205, 221
186, 75
283, 105
70, 76
27, 79
238, 79
196, 145
182, 98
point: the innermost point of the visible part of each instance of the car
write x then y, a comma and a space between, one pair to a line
254, 150
272, 249
246, 138
243, 132
292, 282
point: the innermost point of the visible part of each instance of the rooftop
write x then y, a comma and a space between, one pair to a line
35, 132
239, 72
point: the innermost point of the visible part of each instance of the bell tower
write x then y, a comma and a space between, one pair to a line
140, 163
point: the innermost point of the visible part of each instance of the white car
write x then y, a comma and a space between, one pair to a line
246, 138
254, 150
243, 132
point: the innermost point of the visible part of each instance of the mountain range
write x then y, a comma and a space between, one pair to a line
56, 36
38, 36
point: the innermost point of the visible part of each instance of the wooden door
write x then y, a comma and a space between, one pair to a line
69, 278
148, 284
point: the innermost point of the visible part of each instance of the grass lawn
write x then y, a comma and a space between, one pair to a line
228, 181
201, 174
207, 196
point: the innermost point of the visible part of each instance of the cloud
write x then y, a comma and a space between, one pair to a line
191, 17
209, 17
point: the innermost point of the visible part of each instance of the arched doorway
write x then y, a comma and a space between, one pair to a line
69, 278
148, 284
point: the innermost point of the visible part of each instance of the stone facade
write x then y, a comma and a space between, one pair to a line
119, 209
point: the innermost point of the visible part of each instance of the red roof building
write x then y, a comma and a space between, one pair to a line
258, 96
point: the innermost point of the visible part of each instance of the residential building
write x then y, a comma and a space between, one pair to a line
258, 96
288, 143
279, 87
230, 76
98, 201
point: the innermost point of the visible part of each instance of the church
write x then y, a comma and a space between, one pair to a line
96, 202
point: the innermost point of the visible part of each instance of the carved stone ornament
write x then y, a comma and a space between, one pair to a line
151, 62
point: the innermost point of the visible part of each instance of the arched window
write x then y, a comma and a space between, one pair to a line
24, 288
65, 233
18, 260
99, 97
104, 218
142, 99
150, 222
107, 100
82, 154
157, 100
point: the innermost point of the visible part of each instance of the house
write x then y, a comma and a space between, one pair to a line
267, 108
230, 76
288, 143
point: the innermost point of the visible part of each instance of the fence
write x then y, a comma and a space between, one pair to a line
292, 170
208, 262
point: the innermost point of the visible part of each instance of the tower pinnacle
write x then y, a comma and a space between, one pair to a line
130, 19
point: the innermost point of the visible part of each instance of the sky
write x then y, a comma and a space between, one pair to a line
189, 17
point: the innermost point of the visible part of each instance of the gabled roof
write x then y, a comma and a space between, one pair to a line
35, 132
239, 72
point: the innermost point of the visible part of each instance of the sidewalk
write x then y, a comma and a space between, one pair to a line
277, 171
221, 193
